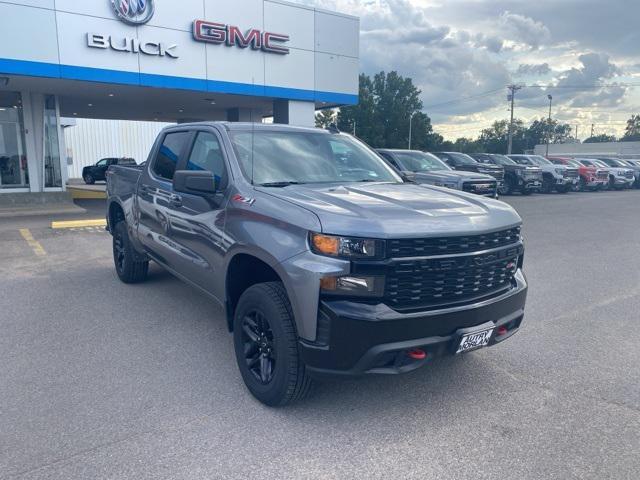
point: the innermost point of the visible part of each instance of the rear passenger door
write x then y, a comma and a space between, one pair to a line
156, 200
198, 221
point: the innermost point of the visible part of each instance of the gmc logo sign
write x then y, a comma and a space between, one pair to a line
231, 36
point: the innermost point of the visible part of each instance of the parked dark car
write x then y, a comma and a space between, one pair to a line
517, 178
462, 161
97, 172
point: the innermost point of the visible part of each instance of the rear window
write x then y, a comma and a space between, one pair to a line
127, 161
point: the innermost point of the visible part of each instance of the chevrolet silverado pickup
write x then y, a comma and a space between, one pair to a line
619, 177
325, 262
591, 178
517, 178
463, 162
425, 168
560, 178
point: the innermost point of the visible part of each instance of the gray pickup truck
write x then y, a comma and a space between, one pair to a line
325, 261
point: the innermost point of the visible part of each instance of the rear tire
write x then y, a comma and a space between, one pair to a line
266, 345
128, 267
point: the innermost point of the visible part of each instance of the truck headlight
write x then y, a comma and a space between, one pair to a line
353, 285
345, 247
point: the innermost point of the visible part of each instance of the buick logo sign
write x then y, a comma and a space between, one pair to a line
133, 12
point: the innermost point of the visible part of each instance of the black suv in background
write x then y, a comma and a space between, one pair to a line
97, 172
462, 161
517, 178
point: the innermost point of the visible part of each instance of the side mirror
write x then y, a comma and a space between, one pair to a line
194, 182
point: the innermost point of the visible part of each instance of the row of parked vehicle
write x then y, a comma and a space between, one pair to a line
490, 174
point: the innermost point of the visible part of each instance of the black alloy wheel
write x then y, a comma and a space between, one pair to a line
258, 342
119, 252
265, 341
88, 179
129, 266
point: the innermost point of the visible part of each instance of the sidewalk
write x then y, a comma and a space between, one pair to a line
35, 204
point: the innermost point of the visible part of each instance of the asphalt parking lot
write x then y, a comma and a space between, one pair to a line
103, 380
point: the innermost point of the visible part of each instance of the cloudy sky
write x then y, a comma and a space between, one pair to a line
463, 53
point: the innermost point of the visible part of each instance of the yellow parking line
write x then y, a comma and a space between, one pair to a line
100, 222
33, 243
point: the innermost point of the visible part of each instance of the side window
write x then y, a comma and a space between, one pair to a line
169, 154
206, 155
102, 163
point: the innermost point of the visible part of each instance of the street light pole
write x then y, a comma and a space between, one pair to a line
549, 125
410, 128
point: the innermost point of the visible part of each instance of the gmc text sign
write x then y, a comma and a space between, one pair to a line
220, 33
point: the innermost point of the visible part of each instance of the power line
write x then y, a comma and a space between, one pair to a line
464, 99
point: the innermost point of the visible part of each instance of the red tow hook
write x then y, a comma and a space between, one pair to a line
417, 354
502, 331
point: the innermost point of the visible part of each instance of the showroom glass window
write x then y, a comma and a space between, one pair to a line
52, 167
13, 157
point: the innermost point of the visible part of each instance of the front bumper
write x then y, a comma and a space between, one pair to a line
358, 338
567, 180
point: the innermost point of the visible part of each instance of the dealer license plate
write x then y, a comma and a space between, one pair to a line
475, 340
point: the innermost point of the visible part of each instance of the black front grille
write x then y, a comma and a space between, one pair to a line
447, 282
603, 176
532, 175
497, 174
628, 174
426, 247
572, 173
480, 187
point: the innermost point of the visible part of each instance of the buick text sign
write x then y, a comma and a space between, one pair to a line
232, 36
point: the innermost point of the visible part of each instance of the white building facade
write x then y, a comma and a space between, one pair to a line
161, 61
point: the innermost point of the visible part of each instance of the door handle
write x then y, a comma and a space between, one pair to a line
175, 200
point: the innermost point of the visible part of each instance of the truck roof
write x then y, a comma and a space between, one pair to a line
248, 126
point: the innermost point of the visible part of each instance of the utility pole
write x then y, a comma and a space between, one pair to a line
577, 133
410, 128
592, 125
549, 124
511, 97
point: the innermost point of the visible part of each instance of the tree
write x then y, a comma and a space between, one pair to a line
383, 113
326, 117
495, 139
537, 133
632, 132
603, 137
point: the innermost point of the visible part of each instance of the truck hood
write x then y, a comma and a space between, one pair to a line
383, 210
451, 175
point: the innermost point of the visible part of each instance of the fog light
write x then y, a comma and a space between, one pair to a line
366, 286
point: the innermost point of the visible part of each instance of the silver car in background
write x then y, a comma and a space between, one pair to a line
425, 168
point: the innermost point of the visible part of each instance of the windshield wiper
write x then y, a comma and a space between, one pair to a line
278, 184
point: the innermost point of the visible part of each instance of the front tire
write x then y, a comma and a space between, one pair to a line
128, 267
266, 345
88, 179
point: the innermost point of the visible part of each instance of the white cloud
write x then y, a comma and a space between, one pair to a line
458, 50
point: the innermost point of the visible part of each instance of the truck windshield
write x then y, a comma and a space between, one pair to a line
502, 160
540, 161
280, 158
462, 158
420, 162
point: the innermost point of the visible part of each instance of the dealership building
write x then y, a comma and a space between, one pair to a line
163, 61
